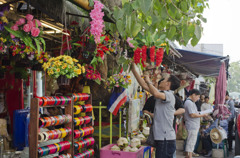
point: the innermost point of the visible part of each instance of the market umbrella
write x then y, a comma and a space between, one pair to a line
220, 93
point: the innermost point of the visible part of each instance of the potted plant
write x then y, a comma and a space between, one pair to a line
63, 68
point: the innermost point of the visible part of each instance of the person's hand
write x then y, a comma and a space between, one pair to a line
205, 115
147, 79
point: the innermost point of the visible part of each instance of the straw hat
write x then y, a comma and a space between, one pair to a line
217, 135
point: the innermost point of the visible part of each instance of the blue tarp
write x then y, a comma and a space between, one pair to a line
201, 63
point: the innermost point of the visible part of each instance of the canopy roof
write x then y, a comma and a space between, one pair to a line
201, 63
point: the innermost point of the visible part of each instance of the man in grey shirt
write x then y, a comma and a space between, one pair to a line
164, 134
192, 120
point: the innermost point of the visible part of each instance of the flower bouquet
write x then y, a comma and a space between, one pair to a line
27, 30
63, 65
118, 80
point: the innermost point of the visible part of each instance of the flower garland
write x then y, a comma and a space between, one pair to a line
97, 23
159, 56
137, 55
152, 54
140, 55
144, 55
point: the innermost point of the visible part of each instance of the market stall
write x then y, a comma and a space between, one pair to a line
54, 54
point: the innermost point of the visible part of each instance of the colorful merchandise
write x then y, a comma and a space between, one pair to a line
54, 120
54, 134
84, 143
54, 148
80, 97
82, 120
83, 132
85, 154
54, 100
64, 156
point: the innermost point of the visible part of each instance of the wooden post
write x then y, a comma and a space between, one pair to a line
34, 126
69, 110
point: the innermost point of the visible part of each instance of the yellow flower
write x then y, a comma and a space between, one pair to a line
78, 71
128, 76
130, 81
163, 44
140, 96
58, 70
40, 61
4, 19
116, 41
75, 60
70, 66
49, 72
83, 69
79, 66
63, 67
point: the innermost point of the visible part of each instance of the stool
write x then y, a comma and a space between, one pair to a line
225, 146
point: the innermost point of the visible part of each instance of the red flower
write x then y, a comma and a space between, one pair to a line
159, 56
137, 55
100, 53
144, 55
106, 38
152, 54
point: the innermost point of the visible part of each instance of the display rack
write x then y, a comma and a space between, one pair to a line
56, 101
83, 129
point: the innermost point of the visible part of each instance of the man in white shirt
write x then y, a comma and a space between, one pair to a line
206, 105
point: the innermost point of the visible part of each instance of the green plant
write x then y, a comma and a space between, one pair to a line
63, 65
174, 19
28, 30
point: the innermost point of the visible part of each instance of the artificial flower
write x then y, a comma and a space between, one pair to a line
29, 17
35, 32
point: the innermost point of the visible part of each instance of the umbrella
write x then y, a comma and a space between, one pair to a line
220, 92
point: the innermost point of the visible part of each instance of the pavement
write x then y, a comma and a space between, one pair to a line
231, 154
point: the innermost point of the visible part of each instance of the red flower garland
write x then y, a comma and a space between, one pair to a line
137, 55
152, 54
144, 55
159, 56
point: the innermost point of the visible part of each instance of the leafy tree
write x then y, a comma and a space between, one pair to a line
234, 82
173, 19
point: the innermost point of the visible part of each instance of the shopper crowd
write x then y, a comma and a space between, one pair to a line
200, 118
